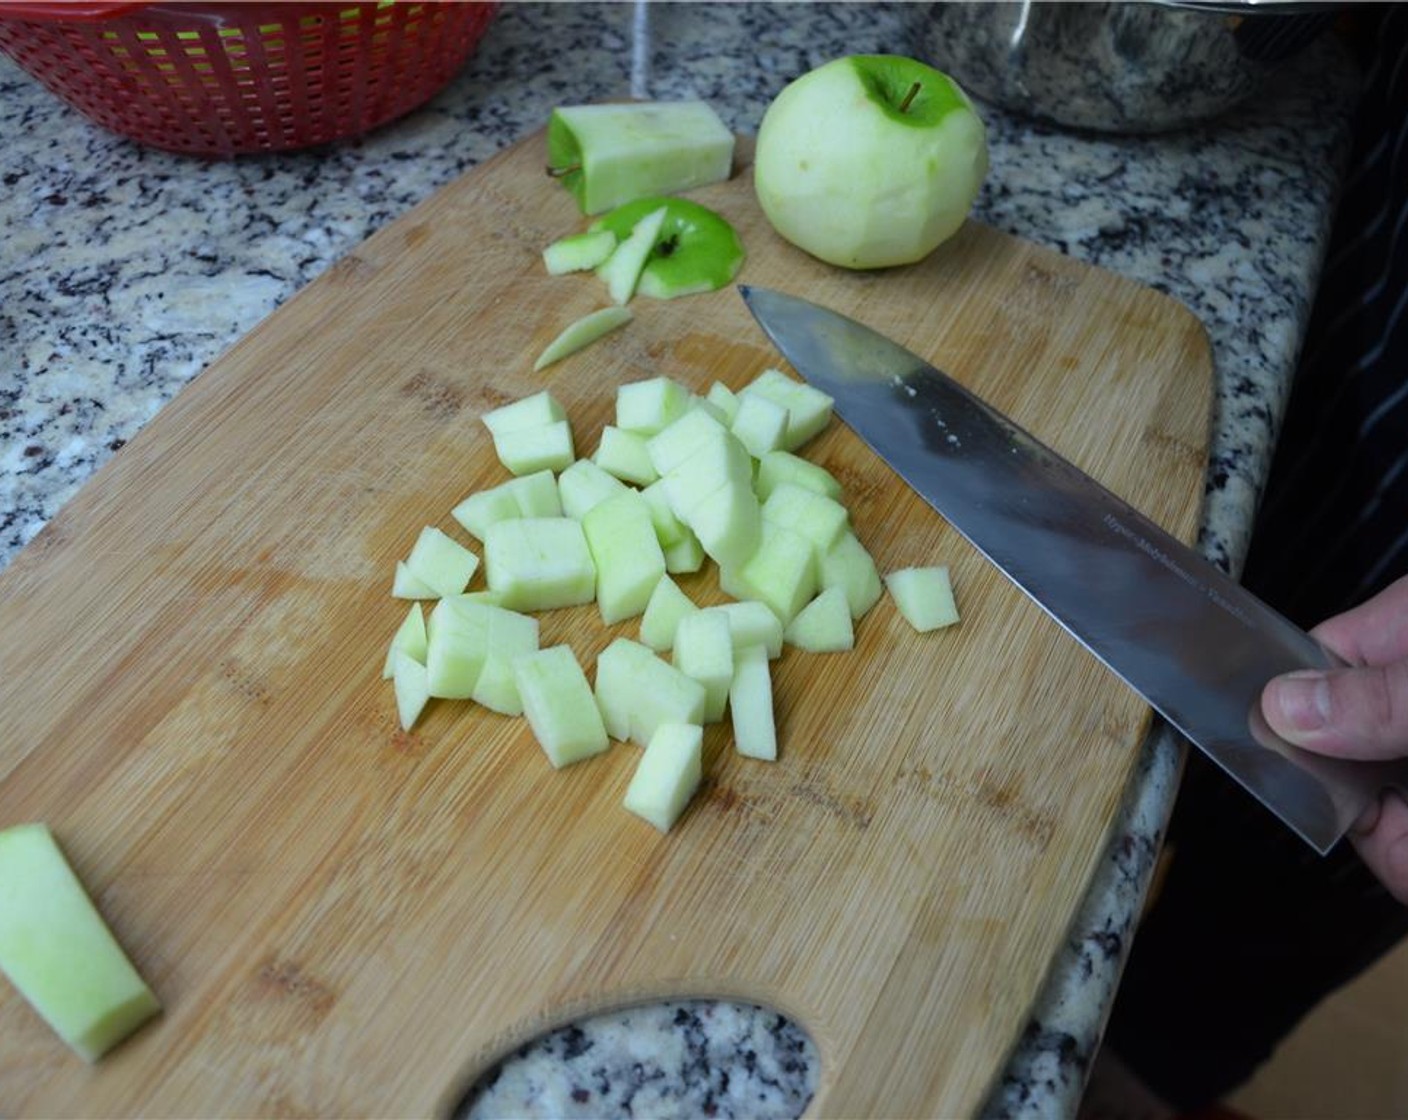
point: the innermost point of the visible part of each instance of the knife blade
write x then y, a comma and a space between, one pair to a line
1173, 626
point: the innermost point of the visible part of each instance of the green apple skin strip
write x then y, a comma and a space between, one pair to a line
696, 250
609, 154
57, 950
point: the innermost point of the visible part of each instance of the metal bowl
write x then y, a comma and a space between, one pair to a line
1118, 67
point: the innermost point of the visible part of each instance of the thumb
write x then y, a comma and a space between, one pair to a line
1355, 713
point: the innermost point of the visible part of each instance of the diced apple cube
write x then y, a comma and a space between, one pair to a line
536, 494
783, 572
583, 485
637, 691
405, 585
782, 466
684, 556
626, 553
823, 625
808, 408
818, 518
752, 623
621, 271
411, 682
59, 953
441, 562
731, 582
535, 411
750, 700
462, 612
669, 529
668, 696
649, 407
667, 775
848, 565
455, 654
704, 404
924, 597
713, 464
409, 639
728, 523
724, 399
667, 605
676, 443
508, 635
623, 455
578, 252
759, 424
703, 652
528, 450
533, 495
558, 702
616, 673
538, 563
484, 507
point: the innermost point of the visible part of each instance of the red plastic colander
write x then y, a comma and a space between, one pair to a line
225, 79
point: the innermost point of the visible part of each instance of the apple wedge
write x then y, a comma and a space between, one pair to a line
57, 950
581, 333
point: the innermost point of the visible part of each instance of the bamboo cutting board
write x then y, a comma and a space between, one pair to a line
345, 920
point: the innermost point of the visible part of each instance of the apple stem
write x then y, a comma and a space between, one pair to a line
909, 97
559, 172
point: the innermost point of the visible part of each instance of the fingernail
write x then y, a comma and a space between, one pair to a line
1304, 699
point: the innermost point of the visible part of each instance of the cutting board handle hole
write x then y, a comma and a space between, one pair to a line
696, 1054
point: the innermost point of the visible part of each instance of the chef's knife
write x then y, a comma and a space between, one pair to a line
1188, 638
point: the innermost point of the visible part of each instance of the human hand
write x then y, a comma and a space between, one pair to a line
1358, 712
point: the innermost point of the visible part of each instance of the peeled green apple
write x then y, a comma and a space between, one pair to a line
869, 161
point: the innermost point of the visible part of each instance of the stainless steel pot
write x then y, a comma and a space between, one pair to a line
1118, 67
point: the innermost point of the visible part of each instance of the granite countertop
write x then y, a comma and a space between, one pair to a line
124, 271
